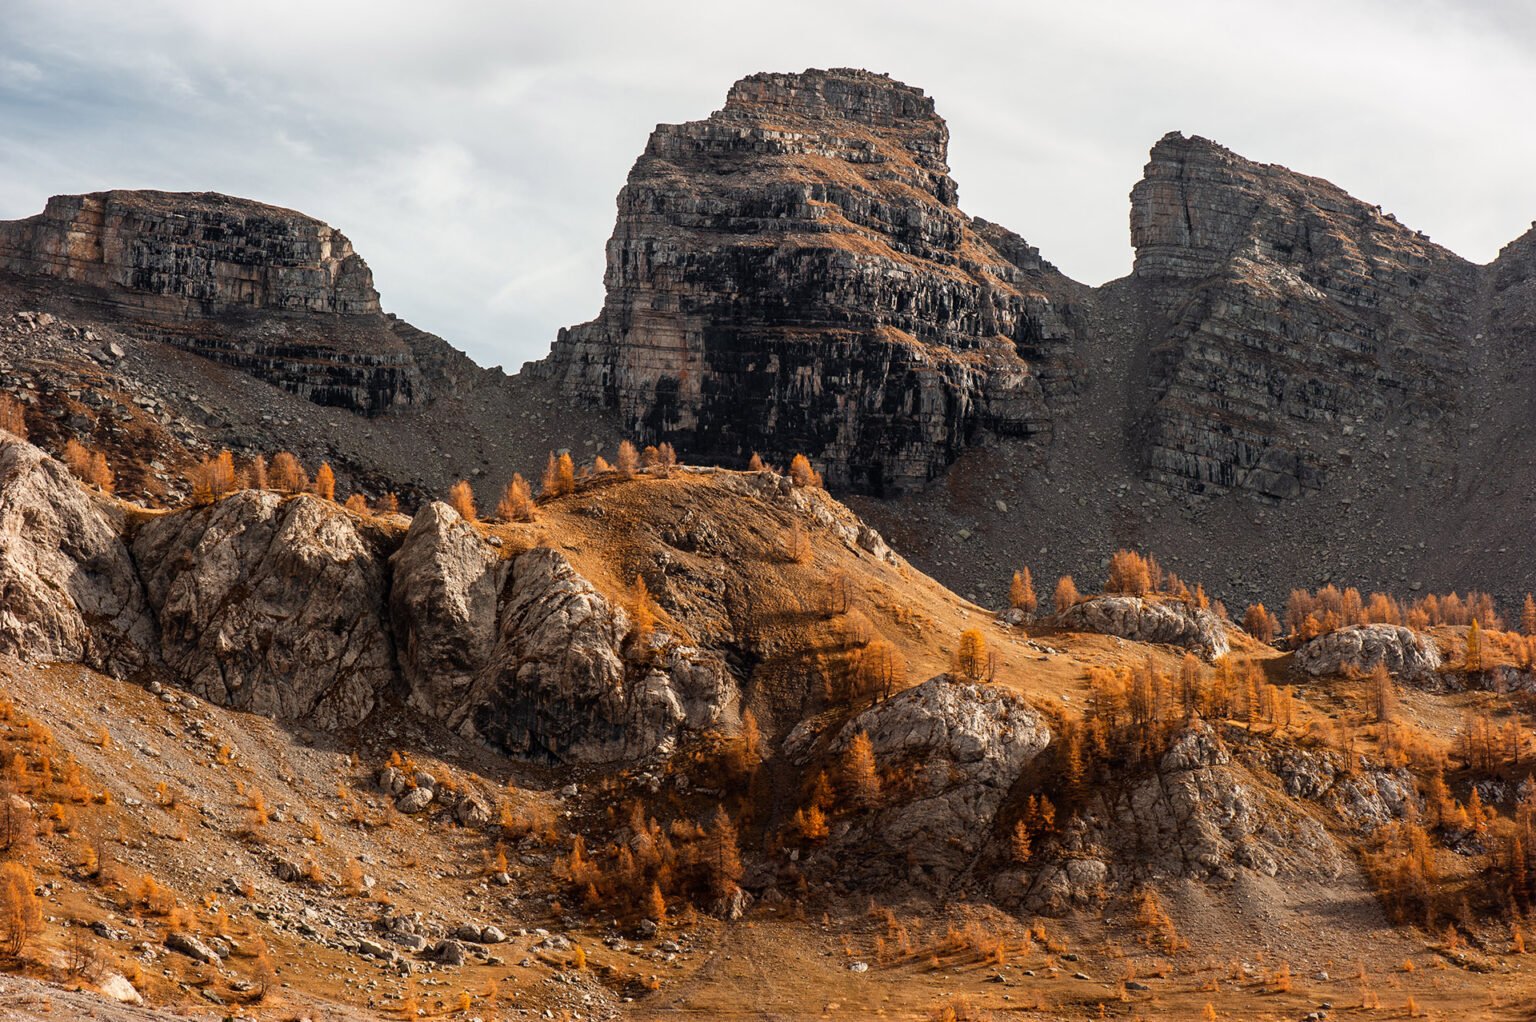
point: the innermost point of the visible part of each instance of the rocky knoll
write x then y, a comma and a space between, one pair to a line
793, 274
529, 656
1196, 814
1144, 620
1408, 655
1284, 311
562, 682
296, 608
270, 291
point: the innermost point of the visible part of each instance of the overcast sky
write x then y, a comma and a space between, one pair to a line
473, 153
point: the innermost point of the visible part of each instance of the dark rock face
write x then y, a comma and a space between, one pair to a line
793, 274
1283, 308
272, 292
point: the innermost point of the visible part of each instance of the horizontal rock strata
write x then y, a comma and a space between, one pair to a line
793, 274
269, 291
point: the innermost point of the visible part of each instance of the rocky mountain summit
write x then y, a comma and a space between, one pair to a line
160, 327
793, 274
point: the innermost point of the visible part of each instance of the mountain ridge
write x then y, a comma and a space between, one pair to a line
791, 275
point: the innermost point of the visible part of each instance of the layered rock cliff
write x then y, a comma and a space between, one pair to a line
269, 291
794, 274
1286, 311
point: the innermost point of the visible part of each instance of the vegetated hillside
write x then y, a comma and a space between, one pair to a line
790, 774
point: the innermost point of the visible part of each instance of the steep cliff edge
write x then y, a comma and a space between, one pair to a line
793, 274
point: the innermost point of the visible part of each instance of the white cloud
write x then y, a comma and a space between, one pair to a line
18, 73
473, 150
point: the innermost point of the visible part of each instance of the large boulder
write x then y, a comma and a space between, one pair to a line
443, 604
1408, 655
558, 685
1166, 621
271, 604
964, 743
68, 589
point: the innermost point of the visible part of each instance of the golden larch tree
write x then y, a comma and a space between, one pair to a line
88, 466
257, 473
325, 482
1066, 594
77, 458
629, 459
559, 476
516, 504
213, 478
21, 910
796, 545
724, 850
881, 668
1129, 573
971, 659
642, 612
1020, 844
461, 497
1260, 623
1021, 592
801, 473
287, 474
861, 775
100, 473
